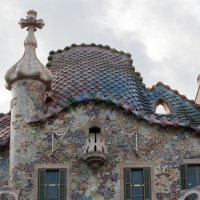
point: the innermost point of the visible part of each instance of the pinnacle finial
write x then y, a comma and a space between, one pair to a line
29, 66
31, 20
31, 13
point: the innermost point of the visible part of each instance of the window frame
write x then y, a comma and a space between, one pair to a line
136, 165
49, 167
165, 105
184, 166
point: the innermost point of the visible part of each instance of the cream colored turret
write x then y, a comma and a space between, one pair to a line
29, 67
29, 80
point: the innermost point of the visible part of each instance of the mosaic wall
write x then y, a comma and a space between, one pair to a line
4, 165
29, 90
27, 98
165, 147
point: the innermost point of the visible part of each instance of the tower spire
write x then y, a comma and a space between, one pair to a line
29, 80
29, 65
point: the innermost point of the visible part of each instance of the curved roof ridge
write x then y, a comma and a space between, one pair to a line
187, 111
53, 53
176, 92
93, 72
97, 68
106, 47
5, 120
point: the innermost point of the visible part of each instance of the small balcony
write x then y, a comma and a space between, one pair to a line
95, 150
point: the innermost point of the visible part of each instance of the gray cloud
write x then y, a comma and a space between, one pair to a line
162, 36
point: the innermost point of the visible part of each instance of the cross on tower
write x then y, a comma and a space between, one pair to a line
31, 20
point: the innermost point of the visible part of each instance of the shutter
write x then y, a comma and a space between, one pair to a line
147, 183
127, 184
198, 175
184, 176
42, 181
62, 183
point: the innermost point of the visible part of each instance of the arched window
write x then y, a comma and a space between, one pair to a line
94, 129
162, 107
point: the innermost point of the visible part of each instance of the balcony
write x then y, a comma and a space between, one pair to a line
95, 150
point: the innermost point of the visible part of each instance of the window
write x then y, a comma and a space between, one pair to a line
137, 184
190, 176
94, 130
137, 181
162, 107
52, 182
160, 110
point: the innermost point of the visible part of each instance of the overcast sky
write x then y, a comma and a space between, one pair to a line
163, 36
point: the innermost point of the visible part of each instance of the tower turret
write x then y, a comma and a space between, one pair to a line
29, 80
29, 67
197, 99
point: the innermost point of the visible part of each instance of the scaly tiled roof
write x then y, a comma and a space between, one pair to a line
94, 72
185, 111
89, 72
4, 129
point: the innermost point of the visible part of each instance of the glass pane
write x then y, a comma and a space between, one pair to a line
192, 176
52, 177
138, 198
52, 186
52, 191
138, 191
52, 198
137, 177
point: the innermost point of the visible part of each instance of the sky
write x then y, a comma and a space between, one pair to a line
162, 36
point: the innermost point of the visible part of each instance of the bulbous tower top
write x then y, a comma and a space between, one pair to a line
29, 66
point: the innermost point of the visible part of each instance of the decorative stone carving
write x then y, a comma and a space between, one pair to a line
152, 119
10, 192
29, 67
176, 122
198, 130
163, 121
95, 150
185, 193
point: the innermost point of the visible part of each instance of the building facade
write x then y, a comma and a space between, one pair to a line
85, 127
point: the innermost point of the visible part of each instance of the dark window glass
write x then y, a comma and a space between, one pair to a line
190, 177
52, 185
137, 184
94, 130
